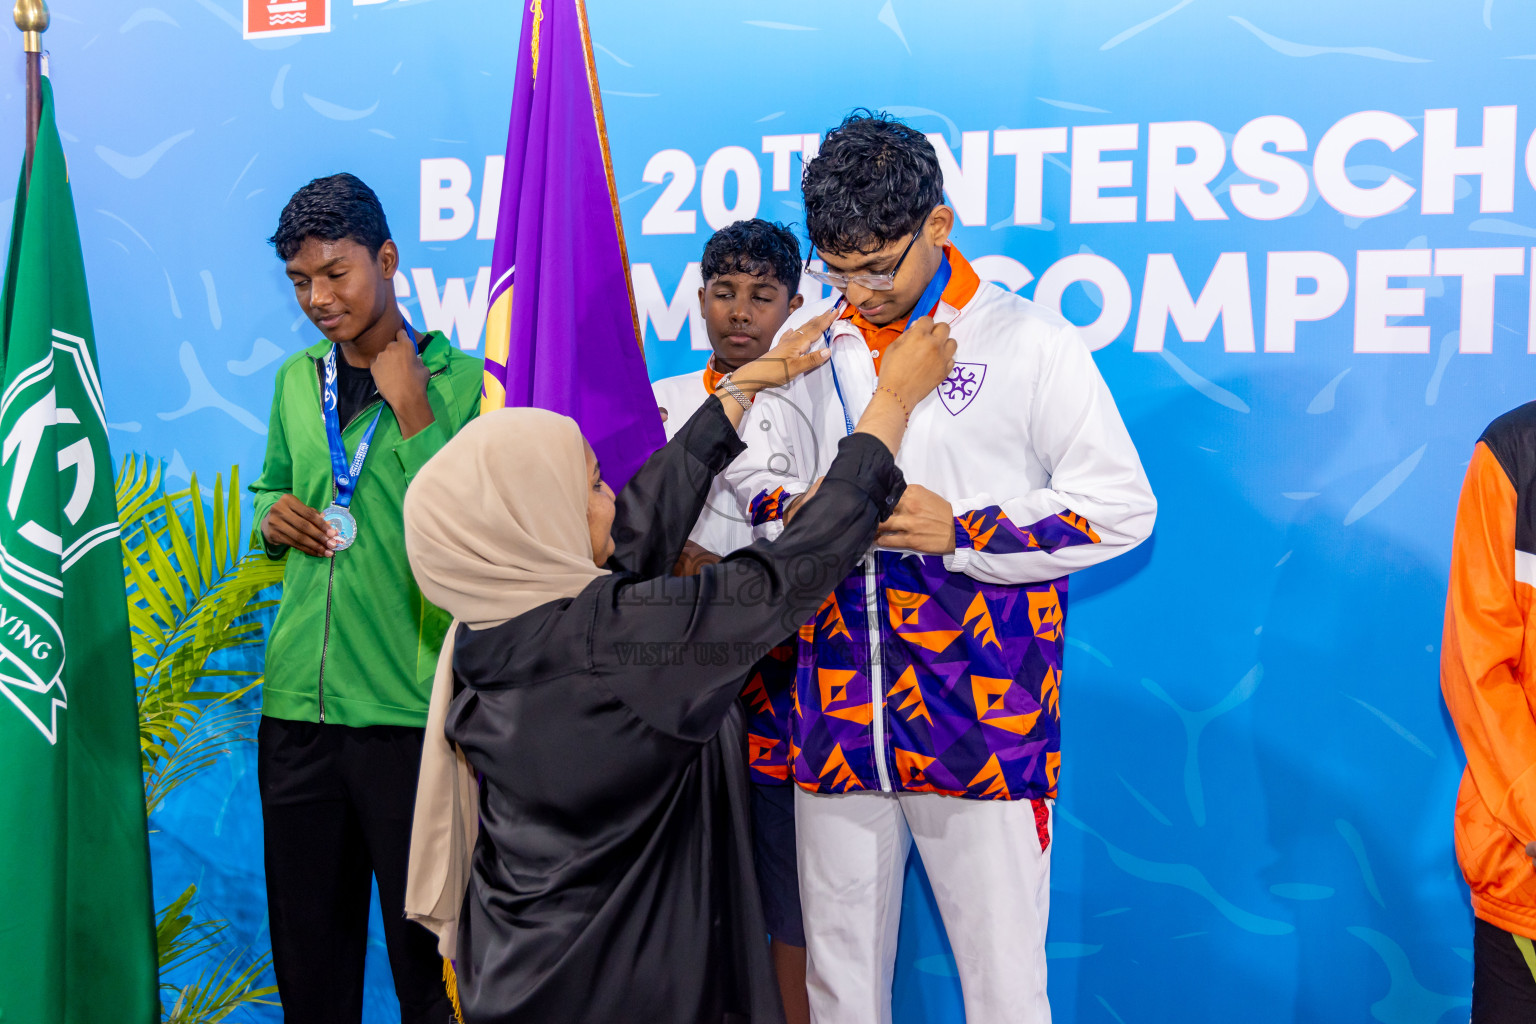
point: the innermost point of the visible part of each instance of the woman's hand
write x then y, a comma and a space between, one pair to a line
788, 359
778, 366
918, 361
913, 366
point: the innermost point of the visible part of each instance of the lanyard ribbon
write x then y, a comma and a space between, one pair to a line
929, 301
343, 474
931, 295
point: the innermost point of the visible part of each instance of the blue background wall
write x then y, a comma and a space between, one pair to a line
1258, 779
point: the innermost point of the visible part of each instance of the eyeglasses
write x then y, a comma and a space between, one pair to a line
874, 282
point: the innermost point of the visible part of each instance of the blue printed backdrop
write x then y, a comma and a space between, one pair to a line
1258, 774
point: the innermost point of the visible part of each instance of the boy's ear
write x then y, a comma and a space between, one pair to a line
701, 298
940, 224
389, 259
796, 301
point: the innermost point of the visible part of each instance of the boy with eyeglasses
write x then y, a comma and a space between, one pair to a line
927, 686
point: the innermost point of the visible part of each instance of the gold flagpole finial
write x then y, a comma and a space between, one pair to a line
32, 18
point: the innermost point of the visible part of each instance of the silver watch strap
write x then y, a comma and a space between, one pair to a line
735, 392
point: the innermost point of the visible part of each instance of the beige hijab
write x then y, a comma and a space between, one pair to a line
495, 525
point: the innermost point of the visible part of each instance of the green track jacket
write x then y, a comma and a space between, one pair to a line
355, 643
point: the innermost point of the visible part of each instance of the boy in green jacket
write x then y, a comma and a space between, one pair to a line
351, 656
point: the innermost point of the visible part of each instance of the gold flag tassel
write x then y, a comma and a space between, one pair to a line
451, 980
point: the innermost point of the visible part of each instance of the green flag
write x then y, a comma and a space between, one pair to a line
77, 932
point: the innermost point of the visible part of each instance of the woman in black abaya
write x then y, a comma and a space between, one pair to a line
611, 880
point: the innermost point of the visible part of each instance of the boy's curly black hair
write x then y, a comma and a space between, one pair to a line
756, 247
332, 208
873, 182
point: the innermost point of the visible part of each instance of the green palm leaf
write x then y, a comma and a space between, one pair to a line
193, 597
220, 989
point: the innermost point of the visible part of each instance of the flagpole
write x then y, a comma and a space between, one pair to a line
31, 17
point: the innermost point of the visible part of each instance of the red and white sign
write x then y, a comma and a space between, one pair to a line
266, 18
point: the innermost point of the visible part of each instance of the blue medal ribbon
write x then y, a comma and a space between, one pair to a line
928, 301
931, 294
343, 473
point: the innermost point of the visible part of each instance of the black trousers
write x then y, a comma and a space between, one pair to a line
1503, 988
336, 806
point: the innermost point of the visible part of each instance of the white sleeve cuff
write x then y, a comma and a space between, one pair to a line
957, 560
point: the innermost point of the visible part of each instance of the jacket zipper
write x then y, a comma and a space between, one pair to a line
325, 643
876, 667
876, 628
330, 582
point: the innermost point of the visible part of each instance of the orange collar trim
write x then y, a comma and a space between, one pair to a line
963, 282
711, 376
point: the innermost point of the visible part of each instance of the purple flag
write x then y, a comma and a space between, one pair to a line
569, 340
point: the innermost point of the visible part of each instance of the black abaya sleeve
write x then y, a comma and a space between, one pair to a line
659, 506
675, 649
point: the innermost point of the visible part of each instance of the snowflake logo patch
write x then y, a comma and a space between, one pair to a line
961, 386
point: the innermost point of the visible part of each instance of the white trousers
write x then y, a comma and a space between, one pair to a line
990, 878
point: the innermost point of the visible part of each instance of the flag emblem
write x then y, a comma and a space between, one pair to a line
32, 565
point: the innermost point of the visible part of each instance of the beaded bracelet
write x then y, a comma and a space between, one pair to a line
906, 414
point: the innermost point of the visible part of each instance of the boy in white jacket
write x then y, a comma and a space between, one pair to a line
926, 697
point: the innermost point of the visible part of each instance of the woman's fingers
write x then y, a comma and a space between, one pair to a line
788, 359
818, 324
917, 361
802, 360
796, 342
809, 361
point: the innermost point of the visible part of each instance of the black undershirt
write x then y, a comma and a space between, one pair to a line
354, 390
